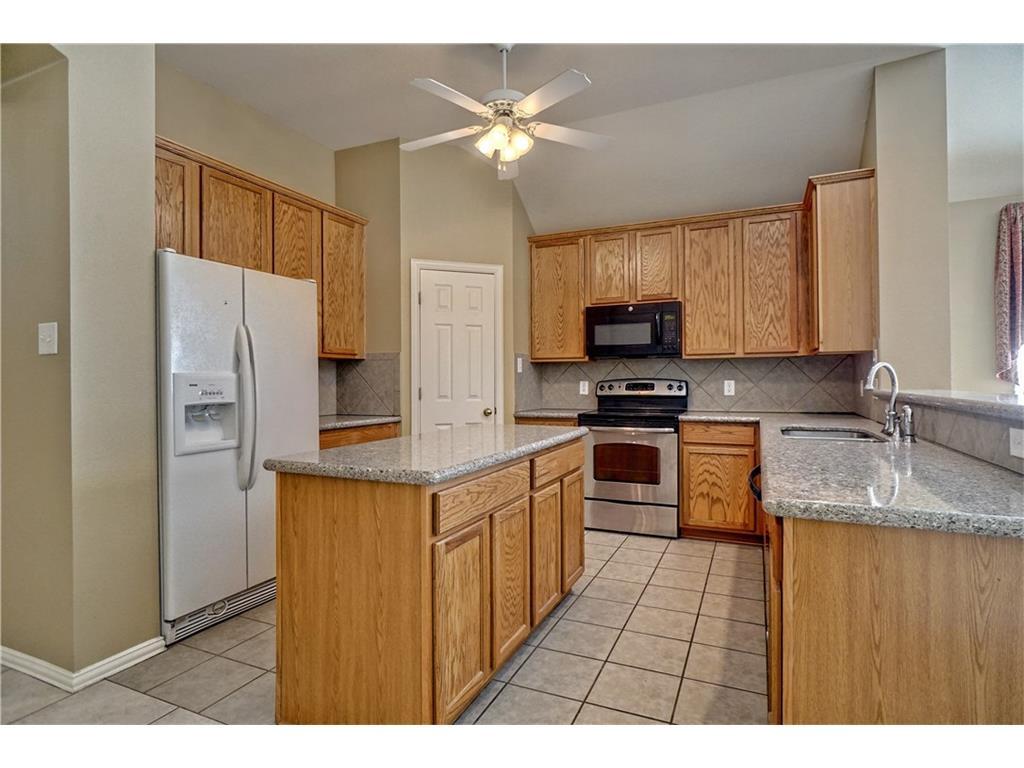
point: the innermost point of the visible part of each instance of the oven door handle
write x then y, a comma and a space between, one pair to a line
645, 430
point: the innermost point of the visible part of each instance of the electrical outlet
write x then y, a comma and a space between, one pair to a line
47, 338
1017, 443
730, 388
519, 365
584, 387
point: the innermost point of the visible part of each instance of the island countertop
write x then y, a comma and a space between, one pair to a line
430, 458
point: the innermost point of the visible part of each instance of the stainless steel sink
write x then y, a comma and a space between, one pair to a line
832, 433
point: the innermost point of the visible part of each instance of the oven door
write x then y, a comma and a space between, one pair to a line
624, 331
634, 464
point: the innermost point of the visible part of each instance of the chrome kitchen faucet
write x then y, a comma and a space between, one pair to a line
898, 426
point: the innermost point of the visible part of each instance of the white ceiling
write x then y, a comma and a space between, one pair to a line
695, 128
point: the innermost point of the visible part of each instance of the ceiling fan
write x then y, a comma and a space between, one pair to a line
509, 129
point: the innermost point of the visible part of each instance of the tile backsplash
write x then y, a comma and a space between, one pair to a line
369, 386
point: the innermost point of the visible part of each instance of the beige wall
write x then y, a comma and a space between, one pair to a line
199, 116
35, 529
972, 245
521, 229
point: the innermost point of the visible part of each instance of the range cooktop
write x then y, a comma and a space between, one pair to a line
638, 403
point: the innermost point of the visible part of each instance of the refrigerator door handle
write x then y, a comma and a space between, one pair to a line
247, 396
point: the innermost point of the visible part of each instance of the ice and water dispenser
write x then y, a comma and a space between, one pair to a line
205, 412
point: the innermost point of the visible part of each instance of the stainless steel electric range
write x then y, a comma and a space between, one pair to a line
632, 456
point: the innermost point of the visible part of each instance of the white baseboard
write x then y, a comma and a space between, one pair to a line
70, 681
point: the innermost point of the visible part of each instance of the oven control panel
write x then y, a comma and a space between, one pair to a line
645, 387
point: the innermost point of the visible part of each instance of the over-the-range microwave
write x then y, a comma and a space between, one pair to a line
634, 330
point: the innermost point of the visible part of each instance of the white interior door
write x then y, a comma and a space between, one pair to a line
457, 348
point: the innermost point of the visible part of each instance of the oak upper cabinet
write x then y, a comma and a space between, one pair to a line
716, 461
546, 550
771, 284
709, 289
177, 202
573, 547
296, 238
462, 618
510, 574
656, 277
843, 261
236, 221
609, 279
556, 295
343, 288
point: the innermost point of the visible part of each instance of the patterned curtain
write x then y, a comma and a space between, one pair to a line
1010, 291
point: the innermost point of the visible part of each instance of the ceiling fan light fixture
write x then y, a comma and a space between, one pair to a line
496, 138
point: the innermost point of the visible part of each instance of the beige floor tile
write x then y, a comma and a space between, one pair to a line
703, 703
582, 639
603, 612
253, 704
650, 543
737, 635
581, 585
666, 577
672, 599
559, 673
100, 704
515, 661
691, 547
203, 685
519, 706
735, 608
626, 572
735, 669
599, 551
661, 654
727, 585
22, 694
619, 591
184, 717
658, 621
745, 553
605, 538
737, 569
227, 634
685, 563
559, 610
636, 557
479, 704
592, 567
267, 613
590, 714
259, 651
640, 691
161, 668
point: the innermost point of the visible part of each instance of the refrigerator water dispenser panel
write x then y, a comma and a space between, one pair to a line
205, 412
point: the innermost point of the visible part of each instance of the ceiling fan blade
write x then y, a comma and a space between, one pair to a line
570, 82
450, 94
440, 138
507, 171
571, 136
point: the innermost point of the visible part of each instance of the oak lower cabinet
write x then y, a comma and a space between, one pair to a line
546, 549
510, 578
573, 547
545, 421
556, 301
716, 460
335, 438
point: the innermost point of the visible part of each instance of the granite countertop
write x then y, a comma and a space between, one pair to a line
430, 458
346, 420
549, 413
1010, 407
919, 485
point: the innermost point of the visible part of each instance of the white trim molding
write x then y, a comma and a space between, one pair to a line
70, 681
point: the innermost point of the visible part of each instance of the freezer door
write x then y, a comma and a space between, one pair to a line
202, 509
280, 313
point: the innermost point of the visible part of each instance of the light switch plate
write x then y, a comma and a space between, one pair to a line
1017, 442
729, 388
519, 365
47, 338
584, 387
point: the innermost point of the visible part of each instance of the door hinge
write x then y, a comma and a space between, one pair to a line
419, 297
419, 395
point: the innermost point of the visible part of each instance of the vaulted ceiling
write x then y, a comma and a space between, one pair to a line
695, 128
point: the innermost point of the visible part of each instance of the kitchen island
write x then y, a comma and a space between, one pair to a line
410, 569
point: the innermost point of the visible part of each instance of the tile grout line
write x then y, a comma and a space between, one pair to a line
689, 648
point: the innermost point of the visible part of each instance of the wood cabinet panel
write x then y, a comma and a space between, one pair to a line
608, 269
545, 550
719, 434
343, 288
177, 203
773, 610
770, 284
236, 221
462, 618
573, 547
556, 463
536, 421
709, 289
510, 571
657, 265
335, 438
458, 505
296, 239
556, 294
714, 484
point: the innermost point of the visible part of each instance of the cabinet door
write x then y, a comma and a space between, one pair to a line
715, 491
462, 618
510, 572
773, 611
177, 203
709, 289
657, 265
296, 239
343, 292
770, 282
556, 301
573, 557
546, 550
608, 272
236, 218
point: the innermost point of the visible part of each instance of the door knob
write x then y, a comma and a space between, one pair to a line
488, 411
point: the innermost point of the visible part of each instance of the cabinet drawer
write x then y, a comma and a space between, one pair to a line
455, 506
335, 438
719, 434
561, 461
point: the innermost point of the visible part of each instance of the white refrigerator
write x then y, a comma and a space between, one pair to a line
238, 384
